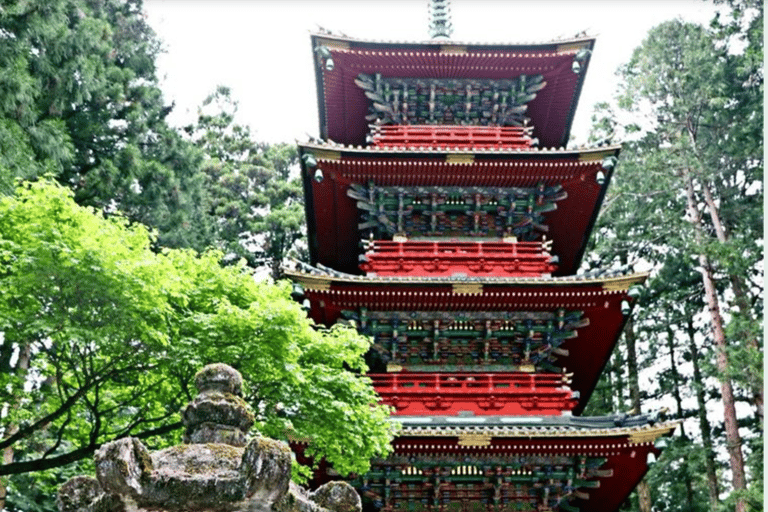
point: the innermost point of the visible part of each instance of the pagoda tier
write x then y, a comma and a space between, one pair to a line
445, 82
479, 324
511, 463
495, 195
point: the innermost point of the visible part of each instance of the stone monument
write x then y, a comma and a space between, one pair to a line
217, 469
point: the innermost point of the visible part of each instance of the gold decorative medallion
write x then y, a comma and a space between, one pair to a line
325, 154
455, 50
474, 440
462, 158
467, 289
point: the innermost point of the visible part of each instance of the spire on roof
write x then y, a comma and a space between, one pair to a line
440, 26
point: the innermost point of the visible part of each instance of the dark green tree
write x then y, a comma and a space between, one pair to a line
256, 200
79, 99
686, 202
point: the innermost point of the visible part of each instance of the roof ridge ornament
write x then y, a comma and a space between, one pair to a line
440, 26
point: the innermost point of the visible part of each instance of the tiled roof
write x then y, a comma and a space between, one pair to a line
329, 145
641, 428
595, 277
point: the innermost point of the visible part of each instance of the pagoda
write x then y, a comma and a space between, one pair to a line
447, 220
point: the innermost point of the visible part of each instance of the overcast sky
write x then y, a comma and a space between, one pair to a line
261, 48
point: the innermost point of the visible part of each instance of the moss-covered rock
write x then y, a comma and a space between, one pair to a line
338, 497
219, 408
218, 414
219, 377
78, 493
266, 468
220, 460
123, 466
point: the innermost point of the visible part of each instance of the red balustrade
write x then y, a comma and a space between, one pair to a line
452, 136
492, 259
482, 394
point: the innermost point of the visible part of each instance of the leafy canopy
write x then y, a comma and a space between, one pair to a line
101, 337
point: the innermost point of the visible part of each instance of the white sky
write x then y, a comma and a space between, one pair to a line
261, 48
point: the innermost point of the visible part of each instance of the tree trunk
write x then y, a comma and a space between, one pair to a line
632, 373
644, 496
740, 296
675, 376
737, 283
706, 428
643, 489
22, 366
733, 439
618, 384
7, 459
679, 403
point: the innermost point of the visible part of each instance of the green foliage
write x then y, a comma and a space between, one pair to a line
255, 202
79, 99
681, 462
36, 491
102, 335
696, 110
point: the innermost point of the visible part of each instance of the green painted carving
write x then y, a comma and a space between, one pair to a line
455, 211
450, 101
467, 340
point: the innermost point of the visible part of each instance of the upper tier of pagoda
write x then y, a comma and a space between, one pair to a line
487, 195
363, 85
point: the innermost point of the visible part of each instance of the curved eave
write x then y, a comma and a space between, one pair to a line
342, 106
433, 44
325, 282
504, 427
333, 150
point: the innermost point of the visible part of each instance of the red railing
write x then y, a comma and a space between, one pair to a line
454, 136
415, 258
479, 393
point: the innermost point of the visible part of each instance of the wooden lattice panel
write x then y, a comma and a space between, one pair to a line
450, 101
495, 483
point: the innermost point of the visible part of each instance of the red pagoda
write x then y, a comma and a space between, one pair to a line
447, 221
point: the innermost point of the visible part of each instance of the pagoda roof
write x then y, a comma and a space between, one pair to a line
642, 428
599, 295
321, 277
343, 106
332, 216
